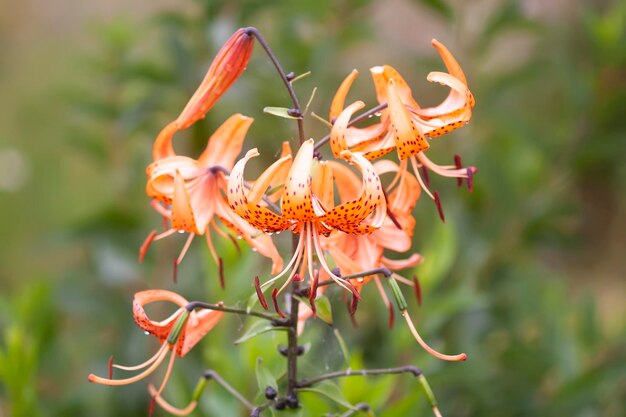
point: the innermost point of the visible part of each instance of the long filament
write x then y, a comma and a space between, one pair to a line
419, 177
459, 357
320, 255
141, 365
294, 260
168, 407
445, 171
117, 382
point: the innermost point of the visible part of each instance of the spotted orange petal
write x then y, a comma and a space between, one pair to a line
338, 142
409, 140
259, 217
349, 216
261, 242
382, 75
160, 329
297, 200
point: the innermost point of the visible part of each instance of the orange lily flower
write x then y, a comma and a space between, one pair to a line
194, 189
307, 207
178, 333
405, 126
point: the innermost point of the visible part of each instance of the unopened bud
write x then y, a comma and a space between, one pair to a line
270, 393
227, 66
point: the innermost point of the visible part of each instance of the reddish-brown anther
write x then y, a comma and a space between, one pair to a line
275, 301
459, 164
417, 289
470, 178
439, 206
111, 367
227, 66
425, 176
392, 316
146, 245
220, 268
259, 292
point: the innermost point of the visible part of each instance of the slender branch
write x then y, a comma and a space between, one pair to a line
356, 409
292, 94
277, 321
354, 121
360, 372
256, 411
211, 374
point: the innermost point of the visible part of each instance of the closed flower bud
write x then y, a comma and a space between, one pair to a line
227, 66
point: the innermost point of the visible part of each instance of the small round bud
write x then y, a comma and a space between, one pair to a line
281, 404
270, 393
292, 401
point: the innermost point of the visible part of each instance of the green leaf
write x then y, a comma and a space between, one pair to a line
257, 328
264, 377
279, 111
342, 345
331, 390
324, 310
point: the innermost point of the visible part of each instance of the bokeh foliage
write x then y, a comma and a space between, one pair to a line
548, 136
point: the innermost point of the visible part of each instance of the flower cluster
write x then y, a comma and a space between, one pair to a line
344, 222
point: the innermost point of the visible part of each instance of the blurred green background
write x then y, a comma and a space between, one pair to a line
527, 276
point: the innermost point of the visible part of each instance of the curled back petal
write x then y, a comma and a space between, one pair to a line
261, 242
409, 140
160, 329
450, 62
338, 132
297, 200
336, 107
382, 75
162, 147
456, 107
349, 216
259, 217
274, 175
225, 143
161, 175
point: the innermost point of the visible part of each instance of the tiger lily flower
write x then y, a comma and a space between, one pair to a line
177, 334
190, 192
405, 126
307, 207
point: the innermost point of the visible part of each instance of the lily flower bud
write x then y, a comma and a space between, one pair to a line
227, 66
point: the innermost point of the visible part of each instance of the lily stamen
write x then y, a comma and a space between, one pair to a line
424, 345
